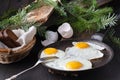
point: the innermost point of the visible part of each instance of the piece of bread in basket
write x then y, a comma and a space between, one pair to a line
8, 56
10, 48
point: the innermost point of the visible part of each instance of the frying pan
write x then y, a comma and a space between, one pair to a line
97, 63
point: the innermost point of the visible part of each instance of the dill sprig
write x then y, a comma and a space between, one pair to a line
85, 15
109, 20
13, 20
59, 9
111, 36
18, 20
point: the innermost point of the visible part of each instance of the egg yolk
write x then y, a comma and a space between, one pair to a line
74, 65
82, 45
50, 51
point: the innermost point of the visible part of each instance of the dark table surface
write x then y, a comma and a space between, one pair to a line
111, 71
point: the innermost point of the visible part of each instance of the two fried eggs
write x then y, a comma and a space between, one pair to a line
73, 58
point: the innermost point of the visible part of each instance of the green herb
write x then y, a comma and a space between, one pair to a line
14, 20
85, 15
114, 39
41, 31
109, 20
60, 9
18, 20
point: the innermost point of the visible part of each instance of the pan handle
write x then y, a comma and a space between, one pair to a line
97, 37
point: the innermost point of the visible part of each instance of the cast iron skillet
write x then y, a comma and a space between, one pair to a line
108, 54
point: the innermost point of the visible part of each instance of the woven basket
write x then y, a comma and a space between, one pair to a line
14, 56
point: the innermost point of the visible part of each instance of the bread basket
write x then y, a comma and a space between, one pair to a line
8, 56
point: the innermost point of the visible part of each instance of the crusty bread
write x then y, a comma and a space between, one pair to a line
9, 38
40, 14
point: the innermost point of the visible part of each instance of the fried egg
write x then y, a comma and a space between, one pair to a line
52, 52
84, 50
87, 44
70, 64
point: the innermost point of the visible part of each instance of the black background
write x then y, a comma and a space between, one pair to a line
110, 71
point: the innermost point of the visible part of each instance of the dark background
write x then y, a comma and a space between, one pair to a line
11, 6
110, 71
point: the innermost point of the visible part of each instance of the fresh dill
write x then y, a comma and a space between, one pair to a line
85, 15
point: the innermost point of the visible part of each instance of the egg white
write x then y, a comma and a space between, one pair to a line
86, 53
60, 64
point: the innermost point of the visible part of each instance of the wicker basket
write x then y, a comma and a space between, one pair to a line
13, 56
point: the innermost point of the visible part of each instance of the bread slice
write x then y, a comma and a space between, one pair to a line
9, 38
